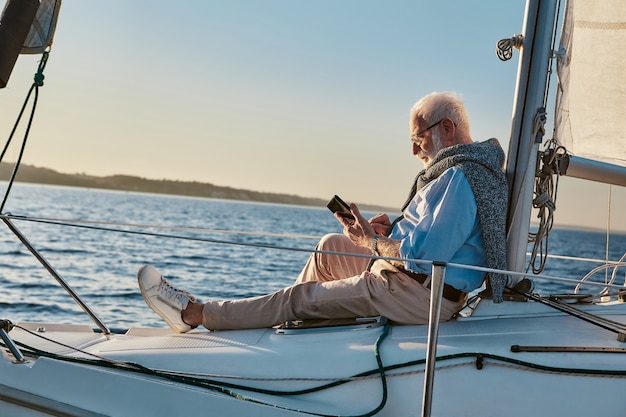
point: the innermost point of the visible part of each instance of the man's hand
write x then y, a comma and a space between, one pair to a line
381, 224
360, 231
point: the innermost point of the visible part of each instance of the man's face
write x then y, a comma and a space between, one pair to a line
426, 140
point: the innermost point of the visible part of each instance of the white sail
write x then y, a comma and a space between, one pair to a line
591, 99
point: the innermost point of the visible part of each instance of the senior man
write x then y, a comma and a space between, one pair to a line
455, 213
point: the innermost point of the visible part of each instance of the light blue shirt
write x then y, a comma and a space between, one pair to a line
441, 224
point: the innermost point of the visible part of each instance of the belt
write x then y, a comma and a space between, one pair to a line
449, 292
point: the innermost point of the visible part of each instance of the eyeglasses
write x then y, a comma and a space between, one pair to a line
416, 137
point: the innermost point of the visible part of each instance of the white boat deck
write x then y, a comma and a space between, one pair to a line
469, 349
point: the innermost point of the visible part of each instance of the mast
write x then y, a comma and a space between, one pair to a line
527, 128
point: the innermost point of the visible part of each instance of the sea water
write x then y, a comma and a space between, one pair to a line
216, 249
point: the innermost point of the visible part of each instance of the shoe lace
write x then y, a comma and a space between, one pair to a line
169, 292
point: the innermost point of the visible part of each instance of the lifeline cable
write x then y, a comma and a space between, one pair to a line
293, 249
75, 222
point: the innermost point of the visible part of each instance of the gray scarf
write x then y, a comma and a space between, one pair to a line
482, 164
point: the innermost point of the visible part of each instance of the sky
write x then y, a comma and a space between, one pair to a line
308, 98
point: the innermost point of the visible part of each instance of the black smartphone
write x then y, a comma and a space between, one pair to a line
337, 205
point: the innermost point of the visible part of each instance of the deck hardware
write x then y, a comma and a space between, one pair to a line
479, 362
577, 349
6, 326
607, 324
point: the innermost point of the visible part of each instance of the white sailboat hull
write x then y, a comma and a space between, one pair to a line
477, 373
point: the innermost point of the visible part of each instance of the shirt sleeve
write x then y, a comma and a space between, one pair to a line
439, 220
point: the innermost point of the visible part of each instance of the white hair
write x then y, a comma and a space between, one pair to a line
436, 106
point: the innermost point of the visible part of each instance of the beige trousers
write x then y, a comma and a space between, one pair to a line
331, 287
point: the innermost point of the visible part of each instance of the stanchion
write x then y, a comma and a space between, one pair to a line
436, 293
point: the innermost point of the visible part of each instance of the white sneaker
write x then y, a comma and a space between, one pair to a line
163, 298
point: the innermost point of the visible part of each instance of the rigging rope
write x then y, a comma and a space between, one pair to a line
38, 82
552, 162
608, 234
545, 188
549, 164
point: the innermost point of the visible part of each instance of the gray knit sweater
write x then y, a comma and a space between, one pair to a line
482, 164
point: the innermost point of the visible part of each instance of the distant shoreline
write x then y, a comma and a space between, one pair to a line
46, 176
39, 175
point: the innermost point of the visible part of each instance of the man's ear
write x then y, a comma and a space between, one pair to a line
449, 130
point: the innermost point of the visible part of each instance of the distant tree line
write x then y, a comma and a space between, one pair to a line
32, 174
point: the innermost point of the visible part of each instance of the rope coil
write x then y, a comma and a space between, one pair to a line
504, 47
552, 162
